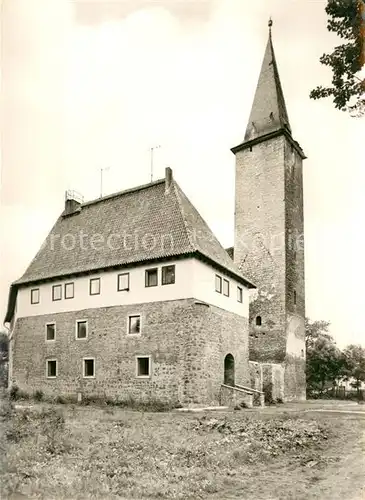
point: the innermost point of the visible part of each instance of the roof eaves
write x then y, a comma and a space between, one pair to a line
239, 277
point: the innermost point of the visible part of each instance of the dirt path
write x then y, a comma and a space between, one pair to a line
338, 473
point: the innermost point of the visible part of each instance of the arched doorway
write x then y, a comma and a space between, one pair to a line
229, 370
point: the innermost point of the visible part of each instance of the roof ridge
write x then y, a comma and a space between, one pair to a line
121, 193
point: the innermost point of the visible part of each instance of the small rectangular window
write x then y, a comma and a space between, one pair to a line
89, 367
226, 288
295, 297
81, 329
56, 292
123, 282
95, 286
151, 277
51, 331
69, 290
134, 324
239, 294
218, 284
168, 275
51, 368
143, 366
34, 296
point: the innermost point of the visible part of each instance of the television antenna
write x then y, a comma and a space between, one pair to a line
152, 151
104, 169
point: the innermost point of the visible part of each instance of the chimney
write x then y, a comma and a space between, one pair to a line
168, 178
73, 202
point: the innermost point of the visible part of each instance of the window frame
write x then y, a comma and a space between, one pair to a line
31, 295
155, 269
53, 292
144, 356
136, 315
73, 290
227, 282
123, 289
46, 325
220, 283
240, 294
76, 329
162, 274
88, 358
51, 360
90, 286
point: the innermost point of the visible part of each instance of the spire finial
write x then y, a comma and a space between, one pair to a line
270, 23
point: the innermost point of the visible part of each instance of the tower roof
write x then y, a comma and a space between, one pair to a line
268, 112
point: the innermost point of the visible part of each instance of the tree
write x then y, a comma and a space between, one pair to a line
4, 344
4, 355
324, 363
347, 19
355, 364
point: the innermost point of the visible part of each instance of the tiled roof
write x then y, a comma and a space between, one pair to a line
268, 111
137, 225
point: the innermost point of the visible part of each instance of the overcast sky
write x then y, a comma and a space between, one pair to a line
91, 84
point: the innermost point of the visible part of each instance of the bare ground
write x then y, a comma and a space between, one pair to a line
312, 450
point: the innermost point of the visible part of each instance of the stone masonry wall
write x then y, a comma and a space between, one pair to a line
187, 342
260, 243
269, 246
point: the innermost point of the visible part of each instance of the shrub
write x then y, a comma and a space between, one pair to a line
14, 392
60, 400
38, 395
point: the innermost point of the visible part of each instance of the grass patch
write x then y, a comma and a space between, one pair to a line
90, 452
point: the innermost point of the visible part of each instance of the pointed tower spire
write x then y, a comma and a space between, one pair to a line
268, 113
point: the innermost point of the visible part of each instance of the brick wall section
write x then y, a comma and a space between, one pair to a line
268, 224
187, 342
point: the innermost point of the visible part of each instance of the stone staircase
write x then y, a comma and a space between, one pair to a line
235, 395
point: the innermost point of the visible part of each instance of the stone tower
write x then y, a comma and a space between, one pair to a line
269, 233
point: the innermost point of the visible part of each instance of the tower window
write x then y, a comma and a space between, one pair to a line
295, 297
258, 321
